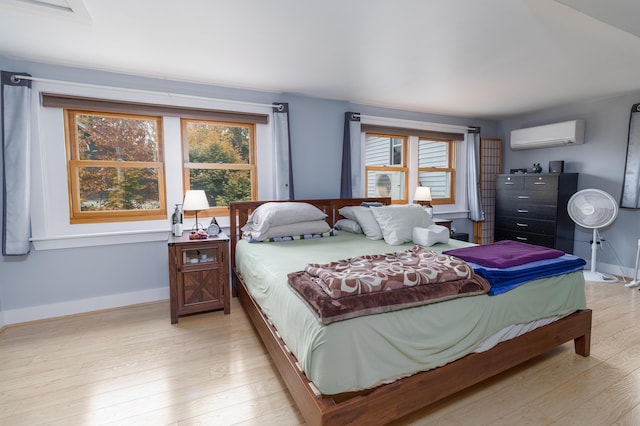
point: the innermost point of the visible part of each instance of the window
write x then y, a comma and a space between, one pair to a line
386, 166
115, 167
219, 158
436, 169
410, 157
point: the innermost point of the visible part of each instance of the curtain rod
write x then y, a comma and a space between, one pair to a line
417, 123
17, 77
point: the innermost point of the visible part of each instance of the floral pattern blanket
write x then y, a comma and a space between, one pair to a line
389, 271
372, 284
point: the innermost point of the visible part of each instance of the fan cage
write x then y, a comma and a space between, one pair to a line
592, 208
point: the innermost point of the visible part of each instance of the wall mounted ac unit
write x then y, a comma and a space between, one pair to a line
558, 134
396, 191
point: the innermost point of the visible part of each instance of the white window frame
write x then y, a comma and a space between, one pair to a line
50, 196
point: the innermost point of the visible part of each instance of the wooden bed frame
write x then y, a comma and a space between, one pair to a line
395, 400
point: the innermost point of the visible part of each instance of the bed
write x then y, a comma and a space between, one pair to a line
371, 385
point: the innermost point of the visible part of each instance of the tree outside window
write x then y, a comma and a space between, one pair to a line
115, 167
219, 158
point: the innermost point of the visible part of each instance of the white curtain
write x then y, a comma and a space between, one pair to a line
473, 188
16, 154
351, 184
283, 179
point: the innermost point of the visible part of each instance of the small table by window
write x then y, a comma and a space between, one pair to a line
198, 275
443, 222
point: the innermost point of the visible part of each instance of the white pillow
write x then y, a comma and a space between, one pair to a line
275, 214
290, 230
431, 235
367, 222
349, 226
349, 212
397, 222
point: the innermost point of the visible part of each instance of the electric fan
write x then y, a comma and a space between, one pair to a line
593, 209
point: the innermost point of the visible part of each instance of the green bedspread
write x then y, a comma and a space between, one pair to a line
364, 352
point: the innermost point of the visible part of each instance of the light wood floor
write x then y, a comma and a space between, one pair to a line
131, 366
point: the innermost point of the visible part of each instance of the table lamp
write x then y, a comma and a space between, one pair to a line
194, 200
423, 197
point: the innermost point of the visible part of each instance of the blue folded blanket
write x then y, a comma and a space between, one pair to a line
505, 279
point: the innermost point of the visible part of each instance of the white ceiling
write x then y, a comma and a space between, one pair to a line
488, 58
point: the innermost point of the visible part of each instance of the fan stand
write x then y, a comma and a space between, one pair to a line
593, 275
635, 281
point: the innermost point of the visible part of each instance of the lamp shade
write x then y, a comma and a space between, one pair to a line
423, 193
195, 199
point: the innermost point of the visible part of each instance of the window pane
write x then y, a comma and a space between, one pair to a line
385, 184
116, 138
222, 186
216, 143
118, 188
383, 151
396, 152
439, 182
433, 154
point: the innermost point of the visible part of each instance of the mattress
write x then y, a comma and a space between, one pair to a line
367, 351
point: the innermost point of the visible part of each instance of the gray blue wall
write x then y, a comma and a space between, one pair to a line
57, 282
600, 162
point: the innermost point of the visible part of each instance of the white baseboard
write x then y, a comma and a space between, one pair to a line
608, 268
33, 313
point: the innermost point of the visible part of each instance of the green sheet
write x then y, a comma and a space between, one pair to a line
364, 352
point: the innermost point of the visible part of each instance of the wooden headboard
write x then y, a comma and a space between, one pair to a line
240, 211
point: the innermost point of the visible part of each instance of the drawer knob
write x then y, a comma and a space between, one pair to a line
522, 238
523, 211
523, 197
522, 225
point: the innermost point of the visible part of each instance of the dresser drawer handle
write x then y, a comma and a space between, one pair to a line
522, 225
522, 238
523, 197
523, 211
539, 183
509, 183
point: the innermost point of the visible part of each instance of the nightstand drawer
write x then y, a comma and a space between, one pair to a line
197, 257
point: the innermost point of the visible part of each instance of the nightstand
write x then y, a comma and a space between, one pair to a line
198, 275
443, 222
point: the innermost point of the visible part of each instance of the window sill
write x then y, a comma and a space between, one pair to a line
99, 239
450, 213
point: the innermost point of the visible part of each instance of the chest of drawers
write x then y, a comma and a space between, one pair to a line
532, 208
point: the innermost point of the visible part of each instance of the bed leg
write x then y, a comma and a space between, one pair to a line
234, 284
583, 345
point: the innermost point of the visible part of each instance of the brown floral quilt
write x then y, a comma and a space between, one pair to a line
371, 284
